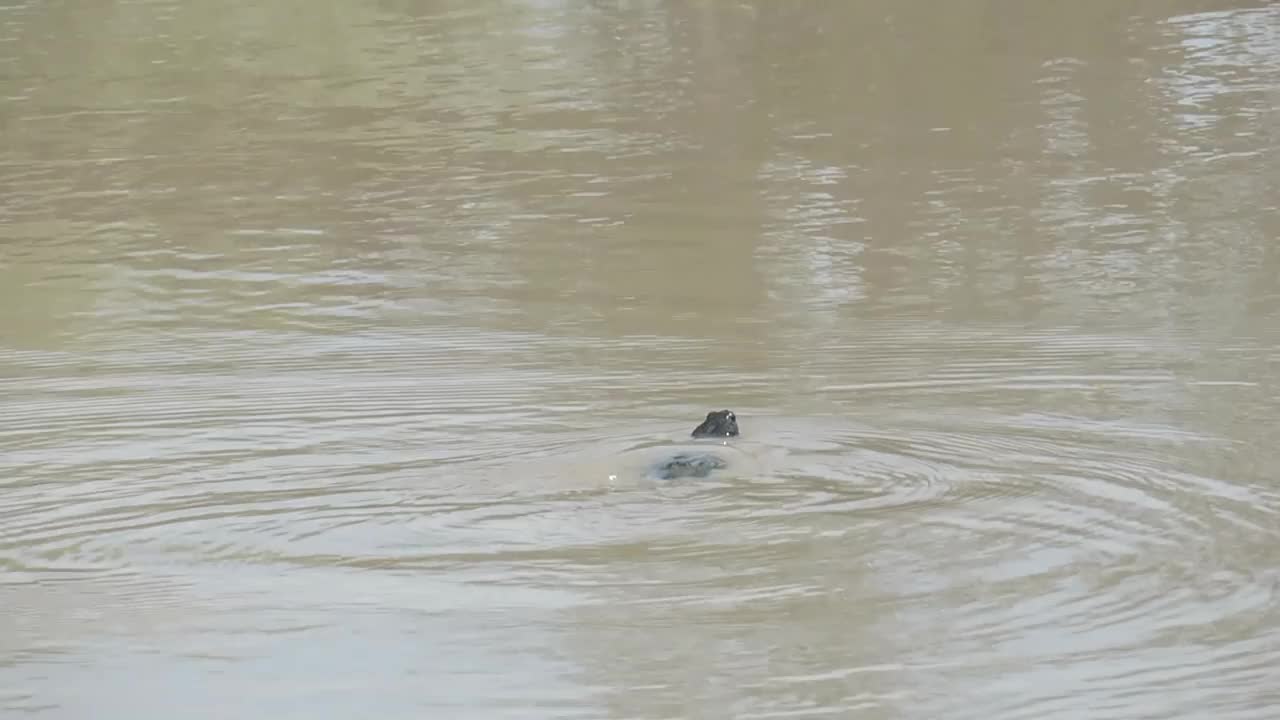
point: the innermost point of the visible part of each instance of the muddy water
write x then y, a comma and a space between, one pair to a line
335, 340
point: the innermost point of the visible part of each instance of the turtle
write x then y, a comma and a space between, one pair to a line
718, 424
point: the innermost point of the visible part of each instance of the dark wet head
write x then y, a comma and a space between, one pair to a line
719, 423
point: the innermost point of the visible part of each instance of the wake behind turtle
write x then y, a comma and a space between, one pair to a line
718, 424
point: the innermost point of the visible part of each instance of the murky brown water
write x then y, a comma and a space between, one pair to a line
335, 339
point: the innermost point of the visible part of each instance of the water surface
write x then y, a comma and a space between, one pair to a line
334, 340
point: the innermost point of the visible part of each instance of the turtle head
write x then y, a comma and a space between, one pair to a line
719, 423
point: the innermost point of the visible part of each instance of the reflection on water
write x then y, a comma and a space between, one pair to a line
334, 343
